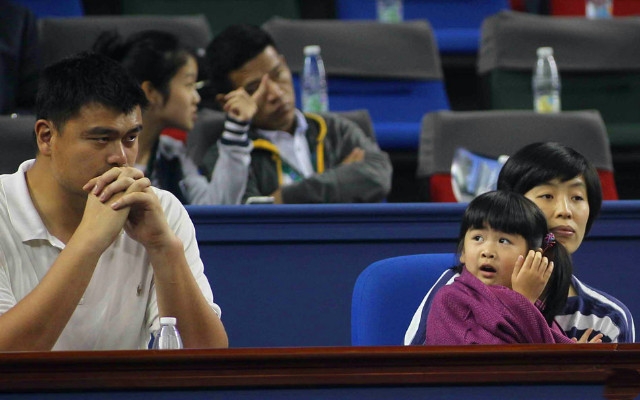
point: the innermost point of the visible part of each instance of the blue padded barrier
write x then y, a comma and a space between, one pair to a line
284, 275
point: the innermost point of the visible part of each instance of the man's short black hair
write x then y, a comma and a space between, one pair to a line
230, 50
68, 85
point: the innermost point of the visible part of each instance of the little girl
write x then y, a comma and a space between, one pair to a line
514, 278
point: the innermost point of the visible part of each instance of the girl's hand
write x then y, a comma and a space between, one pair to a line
585, 337
531, 274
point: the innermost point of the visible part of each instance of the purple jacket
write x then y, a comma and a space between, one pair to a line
470, 312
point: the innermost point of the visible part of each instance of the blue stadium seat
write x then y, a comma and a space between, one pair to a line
54, 8
456, 23
392, 70
387, 294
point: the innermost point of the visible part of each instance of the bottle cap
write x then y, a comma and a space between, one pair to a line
312, 50
167, 320
544, 51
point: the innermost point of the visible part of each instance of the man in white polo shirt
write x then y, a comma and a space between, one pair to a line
90, 254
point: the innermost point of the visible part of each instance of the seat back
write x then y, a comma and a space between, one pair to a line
387, 294
495, 133
588, 53
456, 23
51, 8
219, 13
62, 37
17, 142
392, 70
210, 124
577, 7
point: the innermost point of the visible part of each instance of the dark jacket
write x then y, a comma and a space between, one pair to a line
19, 58
331, 139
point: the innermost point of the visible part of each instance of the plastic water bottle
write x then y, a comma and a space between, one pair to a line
389, 10
314, 82
546, 83
596, 9
168, 336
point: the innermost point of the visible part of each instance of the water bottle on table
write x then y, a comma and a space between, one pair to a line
546, 83
596, 9
389, 10
168, 336
314, 82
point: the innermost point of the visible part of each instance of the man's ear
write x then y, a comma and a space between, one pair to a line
44, 132
153, 95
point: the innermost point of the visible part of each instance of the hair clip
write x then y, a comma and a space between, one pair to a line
549, 241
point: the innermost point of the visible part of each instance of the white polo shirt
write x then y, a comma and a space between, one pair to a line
119, 308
